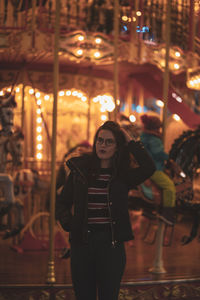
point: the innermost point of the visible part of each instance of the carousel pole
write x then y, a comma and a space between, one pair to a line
33, 22
192, 27
51, 271
166, 72
23, 97
158, 261
23, 109
89, 117
116, 39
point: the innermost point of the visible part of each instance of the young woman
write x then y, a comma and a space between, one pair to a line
93, 207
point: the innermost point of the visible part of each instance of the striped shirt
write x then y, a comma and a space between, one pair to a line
98, 212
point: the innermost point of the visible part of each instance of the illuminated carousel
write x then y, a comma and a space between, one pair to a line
72, 65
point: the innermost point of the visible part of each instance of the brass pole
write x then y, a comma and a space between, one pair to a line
33, 22
51, 273
89, 117
116, 38
166, 72
22, 109
192, 27
23, 96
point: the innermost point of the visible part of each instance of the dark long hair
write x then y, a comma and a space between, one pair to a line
121, 159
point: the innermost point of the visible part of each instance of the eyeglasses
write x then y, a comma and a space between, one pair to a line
108, 142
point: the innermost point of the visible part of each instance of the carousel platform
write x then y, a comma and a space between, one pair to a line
23, 275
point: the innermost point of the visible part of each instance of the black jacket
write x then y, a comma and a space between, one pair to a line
72, 205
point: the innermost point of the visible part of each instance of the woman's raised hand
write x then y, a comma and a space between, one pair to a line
127, 135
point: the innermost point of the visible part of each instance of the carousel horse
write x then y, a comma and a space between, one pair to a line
29, 181
182, 167
11, 153
185, 152
7, 104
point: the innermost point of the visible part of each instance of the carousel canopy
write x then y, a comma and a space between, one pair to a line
86, 48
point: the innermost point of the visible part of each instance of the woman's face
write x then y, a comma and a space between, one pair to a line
105, 147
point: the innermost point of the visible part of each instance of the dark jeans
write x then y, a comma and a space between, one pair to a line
97, 267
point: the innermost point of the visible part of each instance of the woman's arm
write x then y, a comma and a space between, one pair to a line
145, 165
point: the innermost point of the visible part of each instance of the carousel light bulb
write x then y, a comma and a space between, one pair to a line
179, 99
39, 146
138, 108
84, 98
17, 89
159, 103
182, 174
61, 93
39, 129
37, 95
31, 91
138, 13
103, 109
38, 111
39, 120
79, 95
1, 93
97, 54
132, 118
176, 66
176, 117
79, 52
39, 155
124, 18
46, 97
39, 102
118, 102
39, 138
104, 117
108, 98
177, 54
110, 106
101, 100
95, 99
74, 93
134, 19
68, 93
98, 40
81, 38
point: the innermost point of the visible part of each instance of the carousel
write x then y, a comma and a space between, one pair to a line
67, 66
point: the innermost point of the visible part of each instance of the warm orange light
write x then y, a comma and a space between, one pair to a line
39, 155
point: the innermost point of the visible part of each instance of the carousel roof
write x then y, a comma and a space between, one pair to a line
86, 44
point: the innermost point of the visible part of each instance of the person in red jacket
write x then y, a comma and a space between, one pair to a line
93, 208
